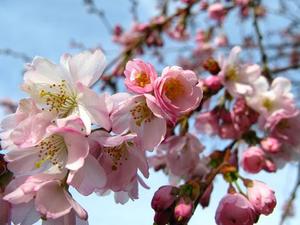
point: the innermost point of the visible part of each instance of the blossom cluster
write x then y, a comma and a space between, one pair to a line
66, 135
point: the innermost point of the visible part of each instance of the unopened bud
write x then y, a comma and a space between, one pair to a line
211, 66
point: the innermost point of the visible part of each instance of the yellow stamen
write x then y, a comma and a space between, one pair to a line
142, 79
173, 89
268, 104
58, 99
231, 74
141, 113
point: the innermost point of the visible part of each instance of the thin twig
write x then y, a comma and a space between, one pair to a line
134, 10
289, 204
92, 8
264, 57
286, 68
15, 54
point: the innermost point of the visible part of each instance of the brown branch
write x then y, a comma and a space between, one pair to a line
15, 54
211, 176
134, 9
286, 68
264, 57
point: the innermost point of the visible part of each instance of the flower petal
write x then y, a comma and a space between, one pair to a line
78, 149
87, 66
51, 200
89, 177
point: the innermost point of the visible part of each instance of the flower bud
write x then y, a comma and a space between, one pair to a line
235, 209
253, 160
212, 66
262, 197
163, 198
217, 11
213, 83
183, 210
204, 200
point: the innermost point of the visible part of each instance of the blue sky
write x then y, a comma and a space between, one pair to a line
46, 28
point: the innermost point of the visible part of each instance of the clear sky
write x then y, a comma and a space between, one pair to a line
46, 28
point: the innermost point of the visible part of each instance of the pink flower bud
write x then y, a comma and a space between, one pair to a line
163, 198
253, 160
216, 11
183, 210
118, 30
235, 209
271, 144
213, 83
262, 197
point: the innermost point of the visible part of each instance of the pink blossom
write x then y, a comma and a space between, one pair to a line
243, 117
271, 145
285, 128
89, 178
217, 11
121, 158
139, 76
49, 195
261, 197
235, 209
163, 198
177, 92
237, 77
64, 146
253, 160
64, 88
181, 154
26, 127
207, 122
142, 115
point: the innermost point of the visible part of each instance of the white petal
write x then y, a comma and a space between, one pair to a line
87, 67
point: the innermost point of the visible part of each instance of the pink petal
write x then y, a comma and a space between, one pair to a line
78, 149
52, 201
89, 177
96, 106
